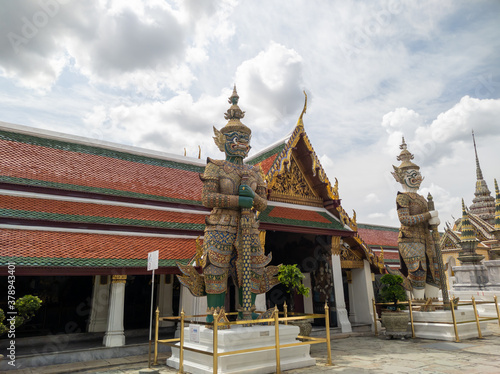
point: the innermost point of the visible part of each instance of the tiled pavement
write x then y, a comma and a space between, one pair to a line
353, 354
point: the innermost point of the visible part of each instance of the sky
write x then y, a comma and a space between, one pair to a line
157, 75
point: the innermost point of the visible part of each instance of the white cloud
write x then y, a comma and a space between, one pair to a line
158, 73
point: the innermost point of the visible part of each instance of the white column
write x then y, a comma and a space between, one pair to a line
352, 304
98, 320
193, 305
308, 301
338, 287
362, 283
164, 296
115, 336
260, 302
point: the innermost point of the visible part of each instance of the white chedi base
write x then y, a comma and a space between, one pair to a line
484, 310
238, 338
438, 325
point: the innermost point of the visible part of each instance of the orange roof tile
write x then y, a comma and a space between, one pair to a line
35, 162
73, 245
298, 214
379, 237
97, 210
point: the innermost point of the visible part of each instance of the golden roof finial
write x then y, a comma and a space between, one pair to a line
299, 122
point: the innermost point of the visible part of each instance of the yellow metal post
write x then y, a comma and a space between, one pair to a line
479, 335
285, 311
452, 305
375, 318
496, 305
181, 346
327, 329
411, 318
157, 320
215, 342
277, 339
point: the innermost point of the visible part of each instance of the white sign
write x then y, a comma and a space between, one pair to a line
194, 333
153, 260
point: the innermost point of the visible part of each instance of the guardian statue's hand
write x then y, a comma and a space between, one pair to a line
434, 221
245, 202
246, 191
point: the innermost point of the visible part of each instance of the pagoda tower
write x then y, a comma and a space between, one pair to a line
483, 204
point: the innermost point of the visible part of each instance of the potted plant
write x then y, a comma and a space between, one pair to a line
291, 277
394, 318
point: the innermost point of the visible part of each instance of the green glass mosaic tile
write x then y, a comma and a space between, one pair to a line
25, 214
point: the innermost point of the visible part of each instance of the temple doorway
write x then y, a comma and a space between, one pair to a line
311, 254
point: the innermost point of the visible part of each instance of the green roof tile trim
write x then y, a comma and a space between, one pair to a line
104, 191
96, 151
26, 214
333, 225
85, 262
275, 151
391, 260
380, 228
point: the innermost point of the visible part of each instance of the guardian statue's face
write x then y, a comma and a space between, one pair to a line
412, 178
237, 144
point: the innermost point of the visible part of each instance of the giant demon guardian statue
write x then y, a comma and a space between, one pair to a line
417, 249
231, 244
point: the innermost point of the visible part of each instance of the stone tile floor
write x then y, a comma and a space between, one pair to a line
352, 354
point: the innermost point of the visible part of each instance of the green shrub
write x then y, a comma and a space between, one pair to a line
26, 307
392, 290
291, 277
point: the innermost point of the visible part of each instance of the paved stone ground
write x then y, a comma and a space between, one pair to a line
353, 355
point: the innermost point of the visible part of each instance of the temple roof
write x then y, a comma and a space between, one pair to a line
75, 203
69, 252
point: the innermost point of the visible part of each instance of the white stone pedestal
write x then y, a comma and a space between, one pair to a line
493, 267
238, 338
433, 325
470, 277
484, 310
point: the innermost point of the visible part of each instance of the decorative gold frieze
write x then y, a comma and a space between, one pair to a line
292, 182
119, 279
347, 264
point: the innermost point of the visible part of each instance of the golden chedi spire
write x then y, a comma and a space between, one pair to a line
483, 204
468, 240
497, 207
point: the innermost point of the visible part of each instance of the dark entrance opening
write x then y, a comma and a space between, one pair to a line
312, 256
66, 302
138, 301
